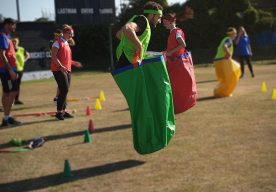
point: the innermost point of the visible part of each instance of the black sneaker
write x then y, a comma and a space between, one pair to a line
12, 121
59, 116
67, 115
18, 102
4, 123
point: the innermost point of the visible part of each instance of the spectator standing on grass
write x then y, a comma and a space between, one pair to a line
8, 71
21, 57
61, 63
243, 51
57, 34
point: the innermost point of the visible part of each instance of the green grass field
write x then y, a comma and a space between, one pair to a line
220, 145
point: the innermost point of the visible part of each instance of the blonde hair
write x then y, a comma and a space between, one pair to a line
231, 31
15, 40
241, 28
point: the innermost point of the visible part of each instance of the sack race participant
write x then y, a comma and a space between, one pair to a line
148, 93
180, 67
145, 85
227, 70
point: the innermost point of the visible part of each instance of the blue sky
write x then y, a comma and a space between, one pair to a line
32, 9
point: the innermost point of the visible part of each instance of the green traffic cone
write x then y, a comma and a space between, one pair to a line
16, 142
87, 137
13, 141
67, 169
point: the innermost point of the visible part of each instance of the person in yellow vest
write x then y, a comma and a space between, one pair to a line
227, 70
21, 57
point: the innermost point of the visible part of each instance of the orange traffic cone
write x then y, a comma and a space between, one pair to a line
88, 111
91, 126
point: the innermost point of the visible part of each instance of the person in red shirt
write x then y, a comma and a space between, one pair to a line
61, 63
57, 34
8, 71
180, 67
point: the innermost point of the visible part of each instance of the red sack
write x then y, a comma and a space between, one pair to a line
182, 78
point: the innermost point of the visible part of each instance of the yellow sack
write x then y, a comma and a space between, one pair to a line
228, 74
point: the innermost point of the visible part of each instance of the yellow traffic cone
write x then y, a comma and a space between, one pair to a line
98, 105
274, 94
264, 89
102, 97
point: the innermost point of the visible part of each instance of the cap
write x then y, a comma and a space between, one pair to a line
9, 21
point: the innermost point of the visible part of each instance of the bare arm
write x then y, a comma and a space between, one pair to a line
227, 52
118, 34
250, 50
4, 59
237, 40
7, 65
26, 56
130, 30
181, 44
76, 64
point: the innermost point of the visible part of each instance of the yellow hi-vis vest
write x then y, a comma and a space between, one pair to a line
127, 47
20, 58
220, 51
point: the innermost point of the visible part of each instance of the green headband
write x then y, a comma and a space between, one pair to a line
155, 12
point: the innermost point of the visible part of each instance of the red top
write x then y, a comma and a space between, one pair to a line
10, 53
172, 42
64, 55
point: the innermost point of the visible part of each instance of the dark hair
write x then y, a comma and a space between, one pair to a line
9, 21
58, 30
171, 17
153, 6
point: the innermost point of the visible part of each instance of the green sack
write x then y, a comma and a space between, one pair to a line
148, 93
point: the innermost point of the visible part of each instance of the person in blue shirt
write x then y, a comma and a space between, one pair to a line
8, 69
243, 51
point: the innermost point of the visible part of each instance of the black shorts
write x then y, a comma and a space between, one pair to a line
8, 85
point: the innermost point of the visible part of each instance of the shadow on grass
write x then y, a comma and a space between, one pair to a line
208, 98
74, 134
35, 122
19, 108
58, 179
121, 110
27, 123
79, 133
208, 81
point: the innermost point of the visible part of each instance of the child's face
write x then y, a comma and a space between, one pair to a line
15, 44
166, 24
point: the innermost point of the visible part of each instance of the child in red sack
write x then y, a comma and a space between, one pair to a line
180, 67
